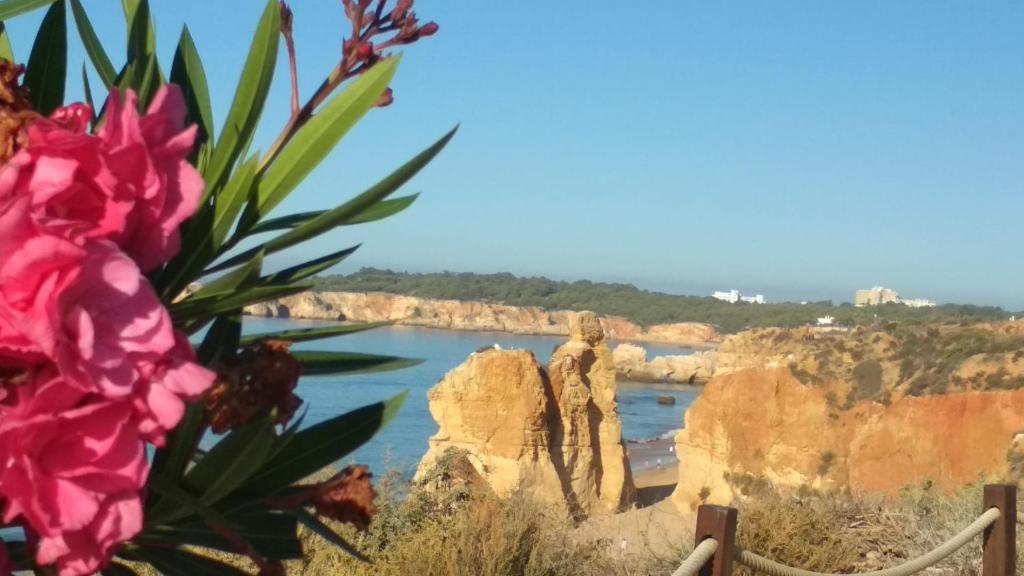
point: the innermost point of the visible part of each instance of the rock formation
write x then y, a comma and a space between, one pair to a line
557, 436
631, 364
864, 411
458, 315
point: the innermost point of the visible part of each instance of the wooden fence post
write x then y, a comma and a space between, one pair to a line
1000, 539
718, 522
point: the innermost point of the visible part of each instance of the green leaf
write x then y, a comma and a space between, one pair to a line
48, 64
11, 8
249, 97
347, 212
141, 34
319, 363
310, 268
273, 535
207, 308
221, 342
87, 90
324, 531
93, 46
308, 334
187, 71
244, 277
6, 50
378, 211
180, 562
317, 137
230, 200
232, 461
186, 504
323, 444
149, 82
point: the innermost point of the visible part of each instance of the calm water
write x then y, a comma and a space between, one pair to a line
404, 441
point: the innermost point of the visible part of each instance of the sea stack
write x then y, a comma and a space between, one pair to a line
555, 433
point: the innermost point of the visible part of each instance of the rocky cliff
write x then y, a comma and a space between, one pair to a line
871, 411
555, 433
458, 315
631, 364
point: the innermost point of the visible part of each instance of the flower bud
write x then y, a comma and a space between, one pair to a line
286, 19
365, 51
428, 29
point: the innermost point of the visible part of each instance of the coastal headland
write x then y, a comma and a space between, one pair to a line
472, 315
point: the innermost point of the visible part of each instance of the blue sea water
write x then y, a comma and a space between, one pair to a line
401, 444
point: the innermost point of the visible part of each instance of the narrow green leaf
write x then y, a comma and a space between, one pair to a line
11, 8
180, 562
250, 96
284, 222
310, 268
272, 535
378, 211
323, 444
232, 461
315, 140
149, 82
221, 342
230, 200
185, 504
210, 307
308, 334
93, 47
6, 50
244, 277
324, 531
318, 363
141, 33
47, 68
87, 90
187, 71
345, 213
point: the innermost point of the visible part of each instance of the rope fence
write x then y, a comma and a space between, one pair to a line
715, 548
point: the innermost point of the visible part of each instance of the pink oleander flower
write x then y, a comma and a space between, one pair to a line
73, 468
160, 399
131, 183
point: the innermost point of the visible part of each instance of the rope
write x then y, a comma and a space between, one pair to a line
700, 556
762, 564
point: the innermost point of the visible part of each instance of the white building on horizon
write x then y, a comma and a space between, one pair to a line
919, 303
734, 296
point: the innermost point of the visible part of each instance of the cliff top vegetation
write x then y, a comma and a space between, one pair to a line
641, 306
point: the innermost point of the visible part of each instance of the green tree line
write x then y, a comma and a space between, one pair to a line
641, 306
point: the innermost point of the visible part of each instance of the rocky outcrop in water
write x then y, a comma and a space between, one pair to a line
869, 411
554, 433
459, 315
631, 364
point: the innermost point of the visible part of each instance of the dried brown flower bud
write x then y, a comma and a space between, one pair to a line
262, 380
347, 497
16, 112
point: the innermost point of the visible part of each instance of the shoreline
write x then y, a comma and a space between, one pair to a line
472, 316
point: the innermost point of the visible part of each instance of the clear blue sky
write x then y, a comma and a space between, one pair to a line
799, 149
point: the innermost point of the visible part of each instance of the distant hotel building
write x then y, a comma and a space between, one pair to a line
879, 295
734, 296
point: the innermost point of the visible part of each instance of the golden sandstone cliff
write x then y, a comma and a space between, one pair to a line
459, 315
869, 410
631, 363
554, 433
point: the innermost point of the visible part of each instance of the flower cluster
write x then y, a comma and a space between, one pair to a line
91, 368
